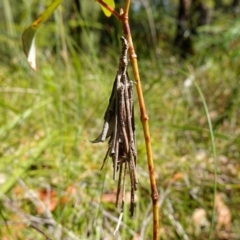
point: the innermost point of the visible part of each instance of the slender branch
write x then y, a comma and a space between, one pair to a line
123, 17
37, 228
144, 119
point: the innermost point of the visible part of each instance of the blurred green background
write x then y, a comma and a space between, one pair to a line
50, 179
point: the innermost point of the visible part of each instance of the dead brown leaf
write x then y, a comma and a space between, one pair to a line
224, 216
177, 176
49, 198
110, 197
200, 221
136, 237
70, 192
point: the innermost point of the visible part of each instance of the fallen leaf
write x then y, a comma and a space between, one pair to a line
200, 221
69, 193
224, 216
109, 197
49, 198
18, 190
177, 176
136, 237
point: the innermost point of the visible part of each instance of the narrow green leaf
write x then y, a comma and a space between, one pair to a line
111, 4
28, 36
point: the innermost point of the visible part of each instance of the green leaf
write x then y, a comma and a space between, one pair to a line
111, 4
28, 36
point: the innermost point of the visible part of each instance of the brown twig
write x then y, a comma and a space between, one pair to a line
123, 17
37, 228
144, 119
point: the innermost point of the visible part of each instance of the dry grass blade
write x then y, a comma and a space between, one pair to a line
119, 126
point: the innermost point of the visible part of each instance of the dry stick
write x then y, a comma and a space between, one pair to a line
123, 17
27, 218
144, 118
34, 226
115, 142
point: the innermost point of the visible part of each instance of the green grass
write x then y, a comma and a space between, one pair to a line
48, 117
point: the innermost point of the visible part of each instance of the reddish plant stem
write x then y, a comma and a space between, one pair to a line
144, 119
123, 17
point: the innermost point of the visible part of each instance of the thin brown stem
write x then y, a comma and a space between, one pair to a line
144, 118
123, 17
37, 228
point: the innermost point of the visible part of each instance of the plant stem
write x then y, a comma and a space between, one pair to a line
214, 158
144, 119
123, 17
